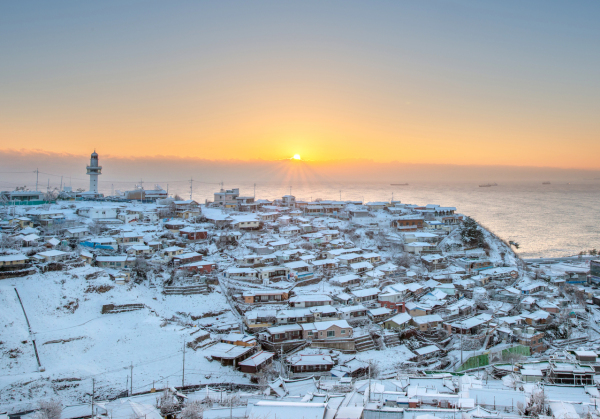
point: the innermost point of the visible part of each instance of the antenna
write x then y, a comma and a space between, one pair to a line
191, 187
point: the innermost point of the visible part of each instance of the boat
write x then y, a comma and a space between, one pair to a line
545, 183
487, 185
399, 184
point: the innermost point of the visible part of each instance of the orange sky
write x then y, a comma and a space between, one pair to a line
446, 83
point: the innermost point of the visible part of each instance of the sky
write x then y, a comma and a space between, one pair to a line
494, 83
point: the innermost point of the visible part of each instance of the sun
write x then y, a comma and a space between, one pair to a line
296, 157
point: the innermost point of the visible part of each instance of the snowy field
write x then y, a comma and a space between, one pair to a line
76, 343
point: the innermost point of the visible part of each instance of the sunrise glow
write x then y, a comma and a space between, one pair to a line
296, 157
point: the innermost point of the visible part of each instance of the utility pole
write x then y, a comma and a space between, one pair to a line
191, 187
61, 183
93, 392
131, 382
461, 343
369, 380
183, 374
37, 175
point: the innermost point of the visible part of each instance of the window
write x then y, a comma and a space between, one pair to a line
343, 331
330, 333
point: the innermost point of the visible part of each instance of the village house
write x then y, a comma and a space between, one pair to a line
172, 251
101, 243
186, 258
204, 267
421, 236
428, 322
186, 209
349, 280
474, 264
245, 222
139, 250
174, 225
353, 312
268, 274
254, 297
398, 322
361, 267
193, 234
434, 261
334, 329
245, 274
22, 222
46, 217
417, 309
284, 333
13, 261
364, 295
537, 317
226, 198
310, 300
300, 270
409, 222
239, 339
379, 314
256, 363
469, 326
113, 261
532, 338
52, 256
419, 247
76, 233
310, 364
228, 354
260, 318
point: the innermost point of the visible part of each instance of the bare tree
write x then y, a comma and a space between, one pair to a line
49, 409
167, 403
192, 410
538, 404
404, 260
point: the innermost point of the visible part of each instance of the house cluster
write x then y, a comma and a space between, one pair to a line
315, 284
563, 387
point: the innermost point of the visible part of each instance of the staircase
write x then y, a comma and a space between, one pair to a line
187, 290
364, 343
391, 339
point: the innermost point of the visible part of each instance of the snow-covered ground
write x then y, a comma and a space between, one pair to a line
76, 343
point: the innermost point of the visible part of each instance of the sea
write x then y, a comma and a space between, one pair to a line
555, 220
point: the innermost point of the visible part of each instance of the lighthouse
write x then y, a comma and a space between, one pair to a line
93, 170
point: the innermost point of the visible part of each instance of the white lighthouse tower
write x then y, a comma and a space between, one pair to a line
93, 170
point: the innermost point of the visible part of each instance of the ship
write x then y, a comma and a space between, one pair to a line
545, 183
399, 184
487, 185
